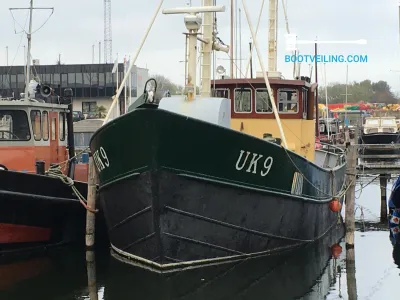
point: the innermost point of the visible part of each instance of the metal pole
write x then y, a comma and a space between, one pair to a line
186, 57
240, 42
99, 52
326, 101
7, 54
250, 59
347, 81
28, 58
259, 54
316, 95
251, 62
236, 39
231, 50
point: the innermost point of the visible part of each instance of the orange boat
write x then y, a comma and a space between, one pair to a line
39, 208
35, 207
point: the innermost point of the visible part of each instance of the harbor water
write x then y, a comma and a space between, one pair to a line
317, 271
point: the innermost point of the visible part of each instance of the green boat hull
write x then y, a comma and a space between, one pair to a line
178, 190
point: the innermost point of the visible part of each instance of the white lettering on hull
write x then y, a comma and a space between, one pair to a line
101, 159
252, 165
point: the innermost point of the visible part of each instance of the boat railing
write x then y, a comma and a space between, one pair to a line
331, 155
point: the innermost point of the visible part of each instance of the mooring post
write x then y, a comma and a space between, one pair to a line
91, 203
351, 274
350, 195
91, 273
384, 210
350, 219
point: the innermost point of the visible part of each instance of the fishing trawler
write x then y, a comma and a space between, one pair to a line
38, 208
204, 179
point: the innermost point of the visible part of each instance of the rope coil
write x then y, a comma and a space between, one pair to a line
55, 171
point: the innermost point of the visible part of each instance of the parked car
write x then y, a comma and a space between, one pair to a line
77, 116
92, 115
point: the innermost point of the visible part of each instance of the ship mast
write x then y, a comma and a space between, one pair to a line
28, 57
273, 36
29, 36
209, 44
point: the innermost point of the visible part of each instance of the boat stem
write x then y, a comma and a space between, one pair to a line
132, 63
271, 95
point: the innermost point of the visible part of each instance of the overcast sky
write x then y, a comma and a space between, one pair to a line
76, 25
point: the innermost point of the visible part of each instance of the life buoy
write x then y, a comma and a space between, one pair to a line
3, 167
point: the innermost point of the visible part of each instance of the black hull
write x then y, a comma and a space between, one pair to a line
170, 221
380, 139
40, 211
285, 276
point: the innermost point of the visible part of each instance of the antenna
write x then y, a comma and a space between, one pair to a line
29, 36
107, 32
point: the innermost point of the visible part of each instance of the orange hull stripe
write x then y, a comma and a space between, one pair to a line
24, 157
10, 233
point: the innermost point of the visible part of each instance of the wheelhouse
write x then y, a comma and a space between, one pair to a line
30, 132
251, 109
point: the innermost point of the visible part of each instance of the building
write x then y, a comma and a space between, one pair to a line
93, 84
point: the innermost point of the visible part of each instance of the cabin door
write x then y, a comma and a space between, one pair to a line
54, 137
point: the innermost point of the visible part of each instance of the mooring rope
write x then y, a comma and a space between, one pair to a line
56, 172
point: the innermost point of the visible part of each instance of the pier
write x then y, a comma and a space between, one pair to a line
384, 166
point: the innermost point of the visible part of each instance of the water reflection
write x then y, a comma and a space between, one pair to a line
307, 273
288, 276
62, 274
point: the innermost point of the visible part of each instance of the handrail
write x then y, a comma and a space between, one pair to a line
342, 151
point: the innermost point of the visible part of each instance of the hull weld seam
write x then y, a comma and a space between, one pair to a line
130, 218
232, 226
177, 237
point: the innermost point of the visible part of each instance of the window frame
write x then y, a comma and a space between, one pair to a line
270, 102
62, 134
26, 116
251, 101
222, 89
47, 119
90, 103
288, 102
33, 125
304, 99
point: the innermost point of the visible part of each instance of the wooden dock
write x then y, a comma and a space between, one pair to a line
384, 166
378, 164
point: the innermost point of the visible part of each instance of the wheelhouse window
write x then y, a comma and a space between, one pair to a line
305, 103
45, 125
62, 129
36, 124
242, 100
221, 93
263, 101
14, 126
288, 101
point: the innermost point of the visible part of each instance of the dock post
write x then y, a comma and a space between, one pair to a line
351, 274
91, 203
91, 274
350, 220
384, 210
350, 195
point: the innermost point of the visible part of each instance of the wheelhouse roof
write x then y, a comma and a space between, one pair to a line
272, 81
24, 103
